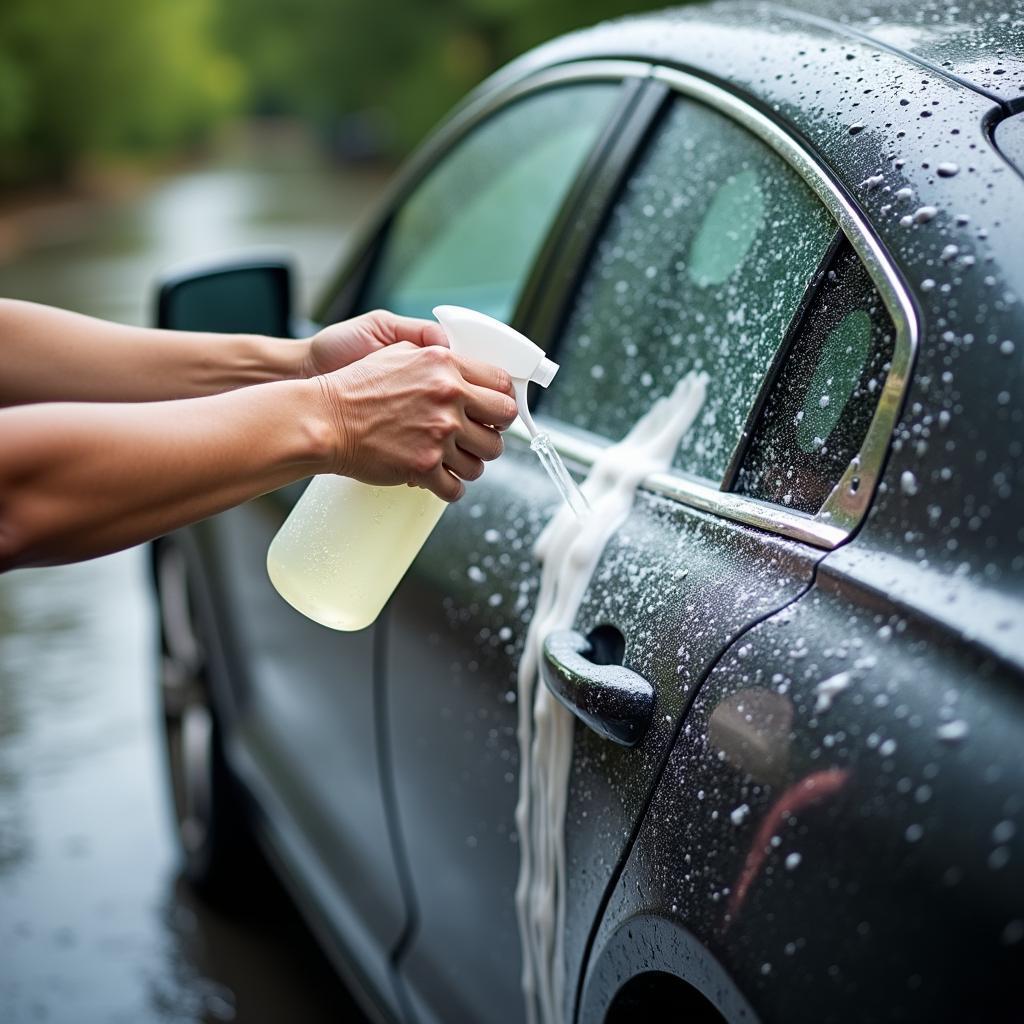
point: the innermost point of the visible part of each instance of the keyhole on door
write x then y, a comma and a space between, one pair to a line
607, 645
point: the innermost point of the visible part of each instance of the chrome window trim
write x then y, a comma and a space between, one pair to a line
844, 509
846, 506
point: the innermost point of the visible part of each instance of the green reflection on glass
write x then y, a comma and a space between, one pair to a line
842, 362
733, 219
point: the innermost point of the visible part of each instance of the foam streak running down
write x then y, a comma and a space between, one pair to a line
568, 551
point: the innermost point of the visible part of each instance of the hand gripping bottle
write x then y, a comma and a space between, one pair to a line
342, 551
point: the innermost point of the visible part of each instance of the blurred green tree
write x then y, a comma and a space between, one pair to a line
403, 61
108, 76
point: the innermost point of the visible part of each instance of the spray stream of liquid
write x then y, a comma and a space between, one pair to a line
569, 551
552, 462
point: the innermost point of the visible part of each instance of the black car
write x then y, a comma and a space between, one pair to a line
813, 810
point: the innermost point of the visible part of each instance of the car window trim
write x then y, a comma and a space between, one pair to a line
847, 504
844, 509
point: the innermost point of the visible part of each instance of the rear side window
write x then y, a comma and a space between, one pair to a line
818, 412
703, 265
469, 232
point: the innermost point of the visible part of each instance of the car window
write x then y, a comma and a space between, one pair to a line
469, 232
702, 265
819, 409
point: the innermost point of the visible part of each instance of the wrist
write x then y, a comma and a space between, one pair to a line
333, 422
316, 437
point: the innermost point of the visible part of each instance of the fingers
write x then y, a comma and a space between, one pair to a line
443, 484
490, 407
463, 464
390, 328
484, 375
479, 441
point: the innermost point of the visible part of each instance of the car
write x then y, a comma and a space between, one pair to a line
808, 804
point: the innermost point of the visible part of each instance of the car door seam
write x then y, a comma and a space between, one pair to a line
627, 849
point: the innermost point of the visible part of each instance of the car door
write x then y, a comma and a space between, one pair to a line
705, 263
307, 728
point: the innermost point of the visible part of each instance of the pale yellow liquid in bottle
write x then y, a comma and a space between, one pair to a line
342, 551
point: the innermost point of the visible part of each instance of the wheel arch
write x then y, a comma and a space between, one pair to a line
654, 960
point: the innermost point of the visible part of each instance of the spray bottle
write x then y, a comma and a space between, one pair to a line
346, 545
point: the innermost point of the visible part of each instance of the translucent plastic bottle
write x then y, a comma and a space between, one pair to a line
346, 545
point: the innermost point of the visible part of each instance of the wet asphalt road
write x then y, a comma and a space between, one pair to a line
95, 923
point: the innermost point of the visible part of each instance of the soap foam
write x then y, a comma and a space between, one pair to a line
569, 551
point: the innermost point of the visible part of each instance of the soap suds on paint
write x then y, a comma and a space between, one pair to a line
569, 551
827, 690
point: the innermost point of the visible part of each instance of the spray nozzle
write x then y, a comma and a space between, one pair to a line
478, 336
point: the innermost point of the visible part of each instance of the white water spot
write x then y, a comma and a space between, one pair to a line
793, 861
873, 182
947, 170
492, 536
914, 833
738, 815
827, 690
952, 732
908, 482
887, 748
1004, 831
569, 550
923, 214
476, 574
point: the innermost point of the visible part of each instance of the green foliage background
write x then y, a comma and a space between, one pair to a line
83, 79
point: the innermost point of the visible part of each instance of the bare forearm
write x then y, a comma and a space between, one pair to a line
79, 480
52, 355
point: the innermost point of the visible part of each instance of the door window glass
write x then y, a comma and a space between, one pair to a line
702, 266
471, 229
819, 409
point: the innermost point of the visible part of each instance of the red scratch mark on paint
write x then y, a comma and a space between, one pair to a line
809, 791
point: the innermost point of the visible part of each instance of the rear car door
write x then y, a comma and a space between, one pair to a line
707, 261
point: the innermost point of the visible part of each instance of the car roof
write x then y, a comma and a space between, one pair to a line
980, 45
981, 42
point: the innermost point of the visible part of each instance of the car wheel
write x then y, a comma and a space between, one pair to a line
216, 840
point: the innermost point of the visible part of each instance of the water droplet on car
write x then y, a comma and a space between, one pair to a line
739, 814
952, 732
947, 170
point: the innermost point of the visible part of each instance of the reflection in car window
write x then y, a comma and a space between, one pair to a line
818, 412
702, 266
470, 231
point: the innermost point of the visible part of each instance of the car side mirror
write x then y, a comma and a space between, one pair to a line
235, 297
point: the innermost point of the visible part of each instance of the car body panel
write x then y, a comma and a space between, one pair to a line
307, 726
848, 851
455, 633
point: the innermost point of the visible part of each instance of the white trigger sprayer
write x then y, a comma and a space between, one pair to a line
346, 545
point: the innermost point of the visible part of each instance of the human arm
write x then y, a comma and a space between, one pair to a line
82, 479
53, 355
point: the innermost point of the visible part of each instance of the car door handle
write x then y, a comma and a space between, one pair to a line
612, 700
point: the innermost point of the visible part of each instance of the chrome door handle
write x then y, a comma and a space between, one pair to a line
612, 700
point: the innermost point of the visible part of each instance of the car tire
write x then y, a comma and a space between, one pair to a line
216, 840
